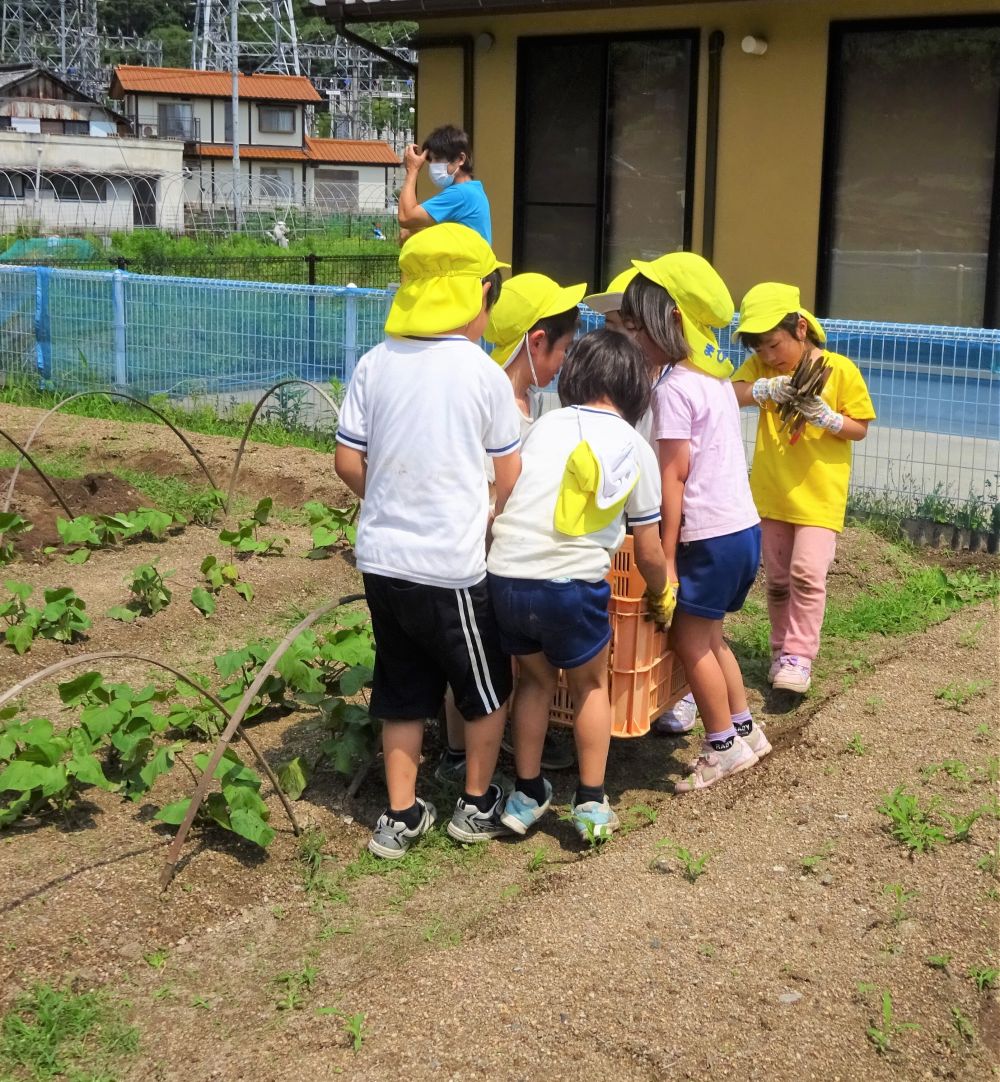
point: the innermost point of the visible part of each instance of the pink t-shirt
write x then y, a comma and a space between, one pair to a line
691, 405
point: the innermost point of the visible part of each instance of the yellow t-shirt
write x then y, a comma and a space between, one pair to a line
806, 482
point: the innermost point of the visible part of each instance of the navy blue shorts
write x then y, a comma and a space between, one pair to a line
716, 574
564, 619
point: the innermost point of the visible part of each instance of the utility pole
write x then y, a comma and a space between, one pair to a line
235, 69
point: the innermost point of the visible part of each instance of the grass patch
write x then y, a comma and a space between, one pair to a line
66, 465
55, 1032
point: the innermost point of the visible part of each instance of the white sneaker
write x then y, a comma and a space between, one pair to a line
794, 674
712, 766
679, 719
757, 741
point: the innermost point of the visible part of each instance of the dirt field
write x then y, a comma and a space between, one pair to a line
533, 958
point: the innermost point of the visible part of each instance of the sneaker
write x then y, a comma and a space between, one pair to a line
522, 811
594, 820
450, 770
558, 752
757, 741
392, 838
712, 766
469, 824
679, 719
794, 674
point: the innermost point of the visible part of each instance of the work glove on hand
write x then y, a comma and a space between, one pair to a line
776, 389
818, 413
661, 606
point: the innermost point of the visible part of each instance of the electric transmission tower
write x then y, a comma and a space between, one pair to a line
65, 37
268, 40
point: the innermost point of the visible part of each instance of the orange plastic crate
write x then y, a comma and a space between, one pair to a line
644, 677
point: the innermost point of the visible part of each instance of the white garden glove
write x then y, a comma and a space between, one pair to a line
776, 389
818, 413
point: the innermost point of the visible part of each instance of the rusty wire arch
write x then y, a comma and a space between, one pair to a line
253, 417
41, 473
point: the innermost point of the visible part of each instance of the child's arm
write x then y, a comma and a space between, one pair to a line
675, 459
649, 556
761, 391
824, 416
352, 468
507, 469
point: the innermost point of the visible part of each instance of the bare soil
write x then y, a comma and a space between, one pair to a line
533, 958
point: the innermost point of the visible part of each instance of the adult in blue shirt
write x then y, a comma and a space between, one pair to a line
447, 154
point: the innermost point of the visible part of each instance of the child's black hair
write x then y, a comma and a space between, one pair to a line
648, 307
446, 143
790, 324
606, 364
496, 283
555, 327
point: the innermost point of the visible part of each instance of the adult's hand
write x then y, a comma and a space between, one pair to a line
414, 158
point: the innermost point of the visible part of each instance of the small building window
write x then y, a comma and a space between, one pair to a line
77, 127
79, 189
11, 186
271, 118
176, 121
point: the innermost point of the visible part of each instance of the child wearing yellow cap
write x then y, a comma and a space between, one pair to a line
531, 327
711, 530
422, 412
800, 487
681, 717
585, 472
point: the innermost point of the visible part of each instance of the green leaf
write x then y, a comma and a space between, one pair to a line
79, 556
99, 720
20, 637
74, 691
161, 763
250, 826
122, 613
85, 767
173, 813
294, 776
244, 589
202, 600
356, 677
23, 777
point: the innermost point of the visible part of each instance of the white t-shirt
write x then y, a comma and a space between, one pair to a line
424, 411
526, 544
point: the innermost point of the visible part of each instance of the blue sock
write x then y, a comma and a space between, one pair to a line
743, 722
722, 741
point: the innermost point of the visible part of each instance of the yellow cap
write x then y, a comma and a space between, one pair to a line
442, 270
611, 299
703, 301
524, 300
767, 304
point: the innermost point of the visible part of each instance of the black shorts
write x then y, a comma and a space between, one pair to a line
430, 637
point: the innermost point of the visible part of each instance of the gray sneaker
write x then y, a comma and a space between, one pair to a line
469, 824
392, 838
450, 770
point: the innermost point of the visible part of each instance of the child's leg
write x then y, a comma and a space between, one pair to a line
454, 723
694, 638
401, 743
536, 685
732, 674
588, 687
777, 545
812, 555
482, 747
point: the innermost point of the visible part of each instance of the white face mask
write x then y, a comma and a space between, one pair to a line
531, 363
439, 174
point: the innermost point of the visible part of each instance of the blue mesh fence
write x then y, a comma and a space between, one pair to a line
936, 389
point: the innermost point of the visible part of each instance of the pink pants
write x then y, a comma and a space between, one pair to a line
796, 561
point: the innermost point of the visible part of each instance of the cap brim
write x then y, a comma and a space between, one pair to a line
604, 302
568, 297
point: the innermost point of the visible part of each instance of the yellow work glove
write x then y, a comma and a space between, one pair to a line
661, 606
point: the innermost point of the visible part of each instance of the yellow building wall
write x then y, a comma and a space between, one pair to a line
772, 115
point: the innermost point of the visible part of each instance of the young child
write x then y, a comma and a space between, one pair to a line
681, 717
531, 326
422, 412
711, 531
584, 472
800, 488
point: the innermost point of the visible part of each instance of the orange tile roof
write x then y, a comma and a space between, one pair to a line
280, 154
132, 78
351, 151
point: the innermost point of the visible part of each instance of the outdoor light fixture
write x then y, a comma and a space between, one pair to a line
754, 45
485, 41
